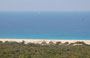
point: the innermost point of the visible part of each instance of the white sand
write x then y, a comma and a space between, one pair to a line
41, 40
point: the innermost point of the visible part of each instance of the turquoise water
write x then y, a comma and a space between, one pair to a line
45, 25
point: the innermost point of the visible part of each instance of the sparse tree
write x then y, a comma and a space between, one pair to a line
43, 43
58, 43
23, 42
51, 43
1, 42
66, 43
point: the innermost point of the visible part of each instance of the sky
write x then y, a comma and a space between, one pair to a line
44, 5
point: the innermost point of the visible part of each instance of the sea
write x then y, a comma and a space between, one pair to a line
45, 25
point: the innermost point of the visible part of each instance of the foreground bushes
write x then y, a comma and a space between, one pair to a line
44, 50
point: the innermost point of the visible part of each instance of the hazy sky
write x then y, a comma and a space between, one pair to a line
44, 5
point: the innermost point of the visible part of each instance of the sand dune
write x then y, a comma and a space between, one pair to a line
41, 40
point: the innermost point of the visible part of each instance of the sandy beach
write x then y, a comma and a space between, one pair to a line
47, 41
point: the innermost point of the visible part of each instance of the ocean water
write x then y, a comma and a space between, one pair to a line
45, 25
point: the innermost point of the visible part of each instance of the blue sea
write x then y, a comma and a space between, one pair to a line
45, 25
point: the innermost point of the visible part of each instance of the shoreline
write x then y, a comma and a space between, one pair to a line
41, 40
